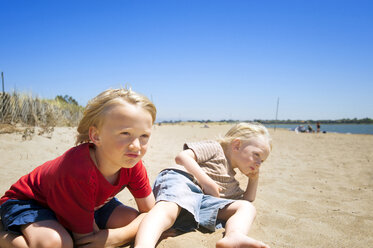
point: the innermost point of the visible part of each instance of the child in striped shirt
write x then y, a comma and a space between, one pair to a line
202, 190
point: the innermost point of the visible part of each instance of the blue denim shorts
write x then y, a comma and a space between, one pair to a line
15, 213
198, 209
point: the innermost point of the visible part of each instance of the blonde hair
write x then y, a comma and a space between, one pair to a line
245, 131
94, 112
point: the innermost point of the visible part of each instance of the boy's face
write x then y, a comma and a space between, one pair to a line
123, 137
248, 156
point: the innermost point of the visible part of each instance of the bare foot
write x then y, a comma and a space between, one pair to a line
239, 240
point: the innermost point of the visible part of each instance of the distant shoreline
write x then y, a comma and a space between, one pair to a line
341, 128
365, 121
350, 128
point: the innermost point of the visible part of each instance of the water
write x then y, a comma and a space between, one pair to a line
333, 128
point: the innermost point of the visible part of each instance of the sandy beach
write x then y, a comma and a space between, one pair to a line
315, 190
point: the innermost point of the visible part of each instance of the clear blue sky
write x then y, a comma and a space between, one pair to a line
197, 59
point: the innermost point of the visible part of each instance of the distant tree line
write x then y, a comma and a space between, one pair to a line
340, 121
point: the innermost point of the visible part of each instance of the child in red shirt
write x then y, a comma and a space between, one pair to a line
74, 193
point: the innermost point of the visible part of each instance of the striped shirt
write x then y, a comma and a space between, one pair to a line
211, 158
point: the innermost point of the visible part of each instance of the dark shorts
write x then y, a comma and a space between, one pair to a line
15, 213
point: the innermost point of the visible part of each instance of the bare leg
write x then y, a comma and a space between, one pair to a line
159, 219
44, 234
48, 233
121, 216
10, 240
240, 216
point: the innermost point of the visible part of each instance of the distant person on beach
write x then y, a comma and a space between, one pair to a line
300, 129
318, 127
75, 193
310, 129
201, 190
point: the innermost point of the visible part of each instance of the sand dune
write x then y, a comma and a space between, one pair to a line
315, 190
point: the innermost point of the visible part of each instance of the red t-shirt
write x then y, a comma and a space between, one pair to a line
73, 187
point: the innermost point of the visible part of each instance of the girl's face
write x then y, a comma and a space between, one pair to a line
248, 156
122, 139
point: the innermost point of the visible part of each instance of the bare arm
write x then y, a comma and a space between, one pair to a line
251, 188
111, 238
114, 237
78, 236
146, 203
187, 158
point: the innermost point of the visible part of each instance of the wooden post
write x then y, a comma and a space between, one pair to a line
2, 79
2, 98
278, 102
